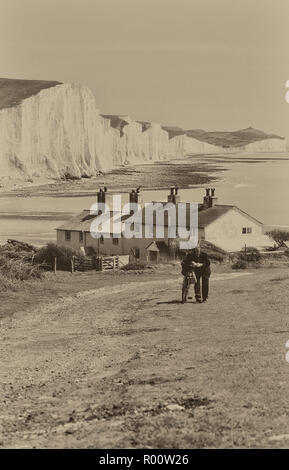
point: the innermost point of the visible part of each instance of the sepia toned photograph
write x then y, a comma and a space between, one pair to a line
144, 227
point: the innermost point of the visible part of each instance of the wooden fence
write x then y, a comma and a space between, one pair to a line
108, 263
95, 263
83, 264
101, 263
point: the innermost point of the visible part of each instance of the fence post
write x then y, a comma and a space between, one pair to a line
55, 264
72, 265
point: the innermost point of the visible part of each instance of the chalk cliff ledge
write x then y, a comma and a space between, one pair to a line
54, 130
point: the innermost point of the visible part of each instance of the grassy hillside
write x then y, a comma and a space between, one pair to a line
12, 92
231, 139
173, 131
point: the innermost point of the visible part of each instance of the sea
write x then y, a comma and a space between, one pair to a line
259, 185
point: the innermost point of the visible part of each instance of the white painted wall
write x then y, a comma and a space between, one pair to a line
226, 232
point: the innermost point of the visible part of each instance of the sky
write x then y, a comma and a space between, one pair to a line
196, 64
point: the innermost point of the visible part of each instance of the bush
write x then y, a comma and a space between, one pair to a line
17, 269
240, 264
250, 254
247, 258
6, 283
48, 253
14, 249
16, 264
136, 265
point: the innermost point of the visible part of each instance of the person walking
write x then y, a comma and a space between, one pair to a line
200, 262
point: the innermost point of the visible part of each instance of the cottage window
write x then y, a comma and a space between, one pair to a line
247, 230
81, 237
115, 241
67, 235
244, 230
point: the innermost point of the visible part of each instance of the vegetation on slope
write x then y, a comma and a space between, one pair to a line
20, 261
12, 92
231, 139
16, 264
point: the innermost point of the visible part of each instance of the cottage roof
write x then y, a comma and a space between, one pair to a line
207, 216
82, 221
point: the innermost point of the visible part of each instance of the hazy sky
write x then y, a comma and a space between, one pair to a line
211, 64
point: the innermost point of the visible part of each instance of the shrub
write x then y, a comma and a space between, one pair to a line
240, 264
14, 249
250, 254
136, 265
17, 269
6, 283
247, 258
16, 264
48, 253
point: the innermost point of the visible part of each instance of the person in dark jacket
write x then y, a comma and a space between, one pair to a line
201, 267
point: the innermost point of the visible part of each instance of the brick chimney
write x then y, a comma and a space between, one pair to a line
206, 200
210, 199
134, 196
101, 195
174, 196
213, 198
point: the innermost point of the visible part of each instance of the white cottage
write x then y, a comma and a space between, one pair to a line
229, 227
225, 226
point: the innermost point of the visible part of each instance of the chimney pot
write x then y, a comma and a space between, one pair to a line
213, 199
101, 196
133, 196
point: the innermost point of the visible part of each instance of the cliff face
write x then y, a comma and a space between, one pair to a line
52, 133
54, 130
267, 145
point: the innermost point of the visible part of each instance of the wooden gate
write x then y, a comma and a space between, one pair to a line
83, 264
109, 262
102, 263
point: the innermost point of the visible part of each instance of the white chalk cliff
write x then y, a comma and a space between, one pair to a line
56, 131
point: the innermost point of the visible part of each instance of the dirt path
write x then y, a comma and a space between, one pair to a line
108, 368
